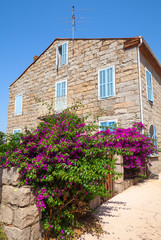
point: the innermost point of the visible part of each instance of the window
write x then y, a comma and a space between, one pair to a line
61, 92
16, 131
110, 124
61, 55
106, 83
18, 104
149, 85
153, 134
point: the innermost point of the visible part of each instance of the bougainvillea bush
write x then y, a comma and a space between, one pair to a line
68, 165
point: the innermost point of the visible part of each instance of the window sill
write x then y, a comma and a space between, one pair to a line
19, 114
107, 98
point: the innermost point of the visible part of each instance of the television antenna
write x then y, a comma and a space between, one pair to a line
74, 18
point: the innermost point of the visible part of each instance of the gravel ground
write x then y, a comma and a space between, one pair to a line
134, 214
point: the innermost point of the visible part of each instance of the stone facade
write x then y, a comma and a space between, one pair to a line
85, 58
19, 215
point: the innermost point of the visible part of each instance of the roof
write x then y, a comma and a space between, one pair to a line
129, 43
146, 52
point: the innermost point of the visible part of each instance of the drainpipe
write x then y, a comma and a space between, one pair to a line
140, 90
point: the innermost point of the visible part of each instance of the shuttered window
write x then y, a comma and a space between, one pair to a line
110, 124
149, 85
18, 104
61, 55
106, 83
61, 90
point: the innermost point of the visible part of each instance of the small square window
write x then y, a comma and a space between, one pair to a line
16, 131
111, 125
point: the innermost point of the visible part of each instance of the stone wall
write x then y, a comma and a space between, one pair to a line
85, 58
152, 111
121, 184
19, 215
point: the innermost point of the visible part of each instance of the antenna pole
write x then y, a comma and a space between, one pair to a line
73, 22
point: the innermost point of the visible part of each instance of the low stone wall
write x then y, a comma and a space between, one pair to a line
19, 214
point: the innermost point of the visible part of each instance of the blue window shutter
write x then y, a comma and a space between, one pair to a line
106, 83
18, 104
64, 54
103, 126
111, 125
110, 82
149, 86
102, 83
155, 135
57, 57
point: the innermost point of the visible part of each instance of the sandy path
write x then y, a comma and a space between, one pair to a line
134, 214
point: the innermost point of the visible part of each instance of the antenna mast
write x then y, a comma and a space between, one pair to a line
73, 22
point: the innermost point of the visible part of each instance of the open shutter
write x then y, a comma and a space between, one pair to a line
149, 86
18, 104
57, 57
155, 135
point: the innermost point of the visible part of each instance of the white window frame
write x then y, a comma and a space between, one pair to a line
17, 129
114, 90
17, 114
112, 120
65, 94
147, 86
59, 63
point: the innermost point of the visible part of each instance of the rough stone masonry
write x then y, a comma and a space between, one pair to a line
19, 214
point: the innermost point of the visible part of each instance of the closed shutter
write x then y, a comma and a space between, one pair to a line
103, 126
18, 104
149, 86
111, 125
106, 83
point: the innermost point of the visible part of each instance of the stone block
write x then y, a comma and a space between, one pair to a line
10, 176
36, 231
13, 233
95, 202
6, 214
118, 188
16, 196
24, 217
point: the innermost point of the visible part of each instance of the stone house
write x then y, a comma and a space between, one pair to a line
116, 79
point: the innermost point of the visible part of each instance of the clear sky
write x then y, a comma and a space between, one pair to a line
27, 27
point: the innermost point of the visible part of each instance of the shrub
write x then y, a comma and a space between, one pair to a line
68, 165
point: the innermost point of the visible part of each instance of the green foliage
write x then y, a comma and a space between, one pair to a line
2, 234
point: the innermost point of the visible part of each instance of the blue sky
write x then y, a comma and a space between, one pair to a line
27, 27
